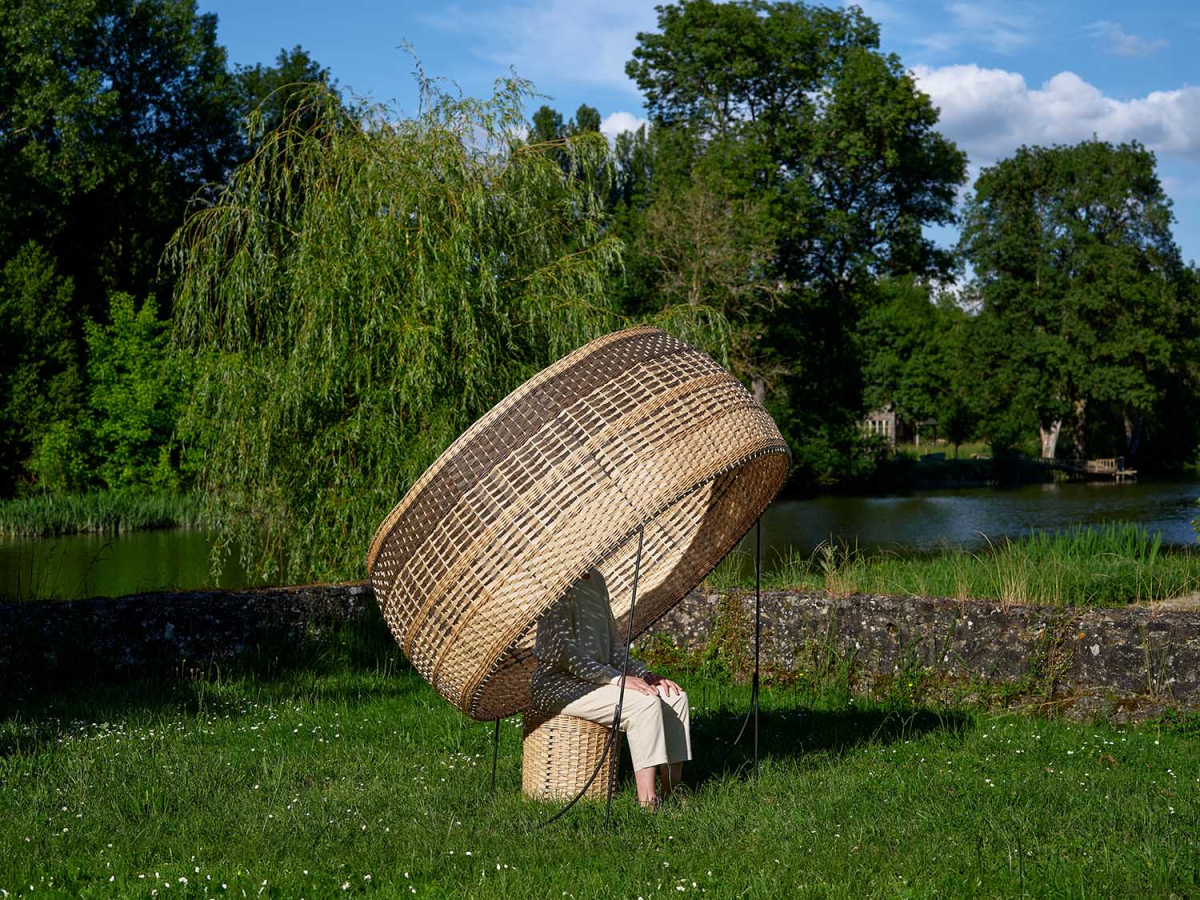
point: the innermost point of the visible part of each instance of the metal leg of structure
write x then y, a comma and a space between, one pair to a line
757, 631
608, 747
611, 745
752, 709
616, 726
495, 754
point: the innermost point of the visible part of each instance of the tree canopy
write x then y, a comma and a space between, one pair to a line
1075, 261
824, 148
113, 114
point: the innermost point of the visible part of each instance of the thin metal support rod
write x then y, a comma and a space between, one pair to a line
757, 629
616, 727
752, 708
495, 754
600, 765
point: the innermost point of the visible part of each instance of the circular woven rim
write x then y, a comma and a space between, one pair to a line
635, 429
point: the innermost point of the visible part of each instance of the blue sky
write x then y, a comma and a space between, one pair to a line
1003, 73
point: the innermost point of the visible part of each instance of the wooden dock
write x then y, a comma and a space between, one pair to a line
1091, 469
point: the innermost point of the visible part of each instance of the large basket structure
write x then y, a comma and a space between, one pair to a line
634, 428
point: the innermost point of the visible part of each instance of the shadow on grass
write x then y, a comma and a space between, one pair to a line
811, 733
328, 664
347, 661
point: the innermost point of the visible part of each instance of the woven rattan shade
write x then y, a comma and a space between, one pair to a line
635, 427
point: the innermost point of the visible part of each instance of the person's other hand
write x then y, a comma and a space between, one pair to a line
633, 683
664, 686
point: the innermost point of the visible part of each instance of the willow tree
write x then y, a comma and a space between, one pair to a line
364, 288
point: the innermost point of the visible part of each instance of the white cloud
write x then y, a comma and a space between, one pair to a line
614, 123
583, 41
990, 112
1122, 43
997, 27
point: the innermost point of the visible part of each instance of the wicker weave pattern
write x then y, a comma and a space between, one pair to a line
560, 755
635, 427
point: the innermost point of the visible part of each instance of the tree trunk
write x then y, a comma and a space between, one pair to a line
1050, 438
1133, 437
1079, 431
758, 385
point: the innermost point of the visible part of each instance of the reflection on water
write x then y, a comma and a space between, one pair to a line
95, 565
927, 521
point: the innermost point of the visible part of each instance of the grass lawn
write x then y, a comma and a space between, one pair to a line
966, 450
350, 776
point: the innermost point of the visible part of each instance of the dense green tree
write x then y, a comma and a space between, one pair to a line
275, 91
913, 350
113, 113
547, 125
346, 332
114, 116
847, 138
799, 109
40, 374
136, 388
586, 121
119, 437
1075, 262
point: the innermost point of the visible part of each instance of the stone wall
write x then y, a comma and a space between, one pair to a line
1122, 663
1118, 663
164, 632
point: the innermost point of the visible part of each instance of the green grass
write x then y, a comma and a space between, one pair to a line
342, 772
50, 515
965, 450
1109, 565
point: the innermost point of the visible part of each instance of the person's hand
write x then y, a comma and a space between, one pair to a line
633, 683
665, 687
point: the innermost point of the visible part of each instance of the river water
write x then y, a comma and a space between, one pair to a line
916, 523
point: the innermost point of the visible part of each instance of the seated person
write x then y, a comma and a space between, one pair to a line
579, 663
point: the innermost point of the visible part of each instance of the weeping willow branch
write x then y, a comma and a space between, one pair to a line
363, 289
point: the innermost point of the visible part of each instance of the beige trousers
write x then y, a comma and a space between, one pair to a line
658, 730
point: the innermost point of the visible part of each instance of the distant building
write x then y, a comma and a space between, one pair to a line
883, 422
888, 424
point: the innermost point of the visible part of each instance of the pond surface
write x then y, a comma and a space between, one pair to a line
927, 521
916, 523
107, 565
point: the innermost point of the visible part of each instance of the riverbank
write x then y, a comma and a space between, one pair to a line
100, 512
960, 527
339, 770
912, 468
1107, 565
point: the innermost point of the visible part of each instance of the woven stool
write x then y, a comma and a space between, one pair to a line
560, 755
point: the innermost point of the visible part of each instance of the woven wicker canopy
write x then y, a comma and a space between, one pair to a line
634, 428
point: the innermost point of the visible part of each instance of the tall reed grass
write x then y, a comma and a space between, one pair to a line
1109, 565
50, 515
